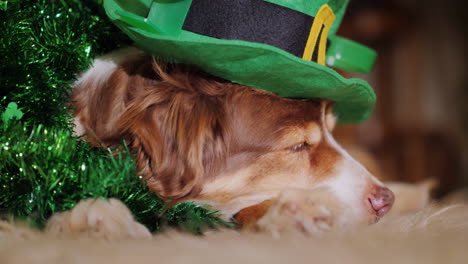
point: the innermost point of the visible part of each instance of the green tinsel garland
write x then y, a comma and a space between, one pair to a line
43, 45
43, 168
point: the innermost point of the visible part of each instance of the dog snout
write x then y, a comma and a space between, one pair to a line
381, 201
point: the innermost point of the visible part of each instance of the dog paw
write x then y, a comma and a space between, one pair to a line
97, 218
310, 212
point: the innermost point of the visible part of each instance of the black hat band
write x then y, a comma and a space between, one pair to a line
257, 21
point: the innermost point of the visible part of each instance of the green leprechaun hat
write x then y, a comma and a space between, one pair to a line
280, 46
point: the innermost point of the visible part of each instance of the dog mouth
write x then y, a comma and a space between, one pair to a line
379, 212
374, 219
376, 214
380, 202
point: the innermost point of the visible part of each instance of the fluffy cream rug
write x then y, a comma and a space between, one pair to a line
436, 234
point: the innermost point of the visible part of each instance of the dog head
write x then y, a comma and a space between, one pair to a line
200, 138
276, 143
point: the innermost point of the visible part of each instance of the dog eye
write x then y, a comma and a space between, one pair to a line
299, 147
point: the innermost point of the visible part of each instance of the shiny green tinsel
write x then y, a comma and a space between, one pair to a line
43, 46
47, 170
43, 168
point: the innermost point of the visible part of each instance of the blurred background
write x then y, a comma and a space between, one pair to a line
418, 129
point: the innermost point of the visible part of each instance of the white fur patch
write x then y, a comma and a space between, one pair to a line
100, 71
350, 182
104, 66
79, 129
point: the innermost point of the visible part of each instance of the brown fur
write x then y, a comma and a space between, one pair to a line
197, 137
179, 122
249, 216
169, 123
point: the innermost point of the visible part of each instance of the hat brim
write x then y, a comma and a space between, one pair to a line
261, 66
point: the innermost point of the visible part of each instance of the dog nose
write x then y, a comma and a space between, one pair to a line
381, 201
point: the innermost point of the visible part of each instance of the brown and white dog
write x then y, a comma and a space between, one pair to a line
265, 159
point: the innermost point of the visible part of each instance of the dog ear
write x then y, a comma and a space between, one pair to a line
175, 130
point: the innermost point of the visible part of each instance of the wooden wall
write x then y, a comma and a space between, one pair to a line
418, 129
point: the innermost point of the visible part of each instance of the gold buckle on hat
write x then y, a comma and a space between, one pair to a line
321, 26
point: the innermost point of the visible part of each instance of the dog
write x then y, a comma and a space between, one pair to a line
248, 153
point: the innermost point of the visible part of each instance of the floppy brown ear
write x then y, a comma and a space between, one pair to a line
174, 128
